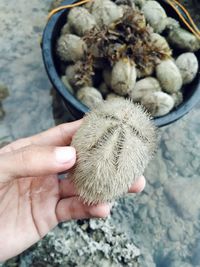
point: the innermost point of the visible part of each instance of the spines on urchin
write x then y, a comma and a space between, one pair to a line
114, 145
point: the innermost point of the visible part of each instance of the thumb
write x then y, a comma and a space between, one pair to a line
36, 161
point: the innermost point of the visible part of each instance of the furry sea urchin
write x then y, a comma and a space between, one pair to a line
114, 145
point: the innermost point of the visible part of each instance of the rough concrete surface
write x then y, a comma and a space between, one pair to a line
163, 221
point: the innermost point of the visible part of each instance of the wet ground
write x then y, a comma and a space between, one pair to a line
163, 221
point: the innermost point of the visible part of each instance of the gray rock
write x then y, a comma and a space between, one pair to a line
83, 244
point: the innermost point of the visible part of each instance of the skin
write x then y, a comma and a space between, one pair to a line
32, 198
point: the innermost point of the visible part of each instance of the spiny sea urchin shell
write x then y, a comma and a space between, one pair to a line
114, 145
154, 13
105, 12
169, 76
89, 96
80, 20
70, 47
158, 103
143, 87
188, 66
183, 39
123, 77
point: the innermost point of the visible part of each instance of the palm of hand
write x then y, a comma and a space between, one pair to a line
32, 198
27, 211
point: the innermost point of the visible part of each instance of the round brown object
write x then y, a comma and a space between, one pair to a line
114, 145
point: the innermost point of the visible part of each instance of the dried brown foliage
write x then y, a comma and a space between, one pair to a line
130, 37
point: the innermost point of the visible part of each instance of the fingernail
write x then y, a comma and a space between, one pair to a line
64, 154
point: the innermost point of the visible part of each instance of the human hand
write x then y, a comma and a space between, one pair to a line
32, 198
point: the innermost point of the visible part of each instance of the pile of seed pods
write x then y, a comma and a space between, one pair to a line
126, 49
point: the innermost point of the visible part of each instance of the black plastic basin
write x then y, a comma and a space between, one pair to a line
74, 106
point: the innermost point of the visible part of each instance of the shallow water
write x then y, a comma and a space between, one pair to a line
164, 220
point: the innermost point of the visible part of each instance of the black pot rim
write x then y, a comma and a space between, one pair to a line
47, 54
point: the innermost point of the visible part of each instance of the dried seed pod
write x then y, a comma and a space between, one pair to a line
158, 103
188, 66
169, 76
114, 145
70, 47
80, 20
143, 87
103, 89
67, 84
178, 98
154, 13
113, 96
182, 39
89, 96
66, 29
3, 92
123, 77
105, 12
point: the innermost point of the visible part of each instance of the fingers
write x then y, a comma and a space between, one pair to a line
60, 135
74, 209
138, 186
33, 161
67, 188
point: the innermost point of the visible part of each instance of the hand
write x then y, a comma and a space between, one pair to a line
32, 198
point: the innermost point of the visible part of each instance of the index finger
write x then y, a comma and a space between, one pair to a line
60, 135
